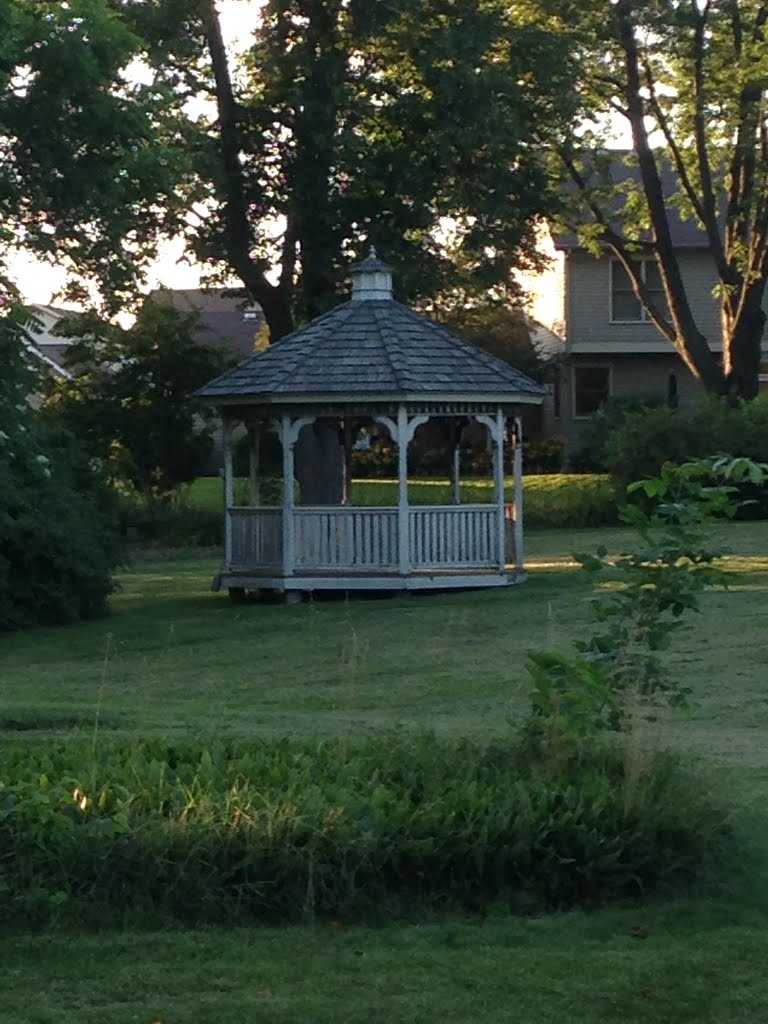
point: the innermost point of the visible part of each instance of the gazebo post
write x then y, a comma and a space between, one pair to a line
229, 427
346, 485
403, 512
286, 436
254, 451
455, 438
498, 473
517, 471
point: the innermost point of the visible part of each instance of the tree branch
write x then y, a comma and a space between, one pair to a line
237, 231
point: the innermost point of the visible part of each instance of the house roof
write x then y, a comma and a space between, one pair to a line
686, 234
547, 344
227, 315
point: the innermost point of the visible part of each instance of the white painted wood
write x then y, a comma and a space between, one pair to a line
403, 525
414, 422
517, 472
288, 435
228, 490
491, 423
344, 537
498, 466
453, 537
369, 581
257, 537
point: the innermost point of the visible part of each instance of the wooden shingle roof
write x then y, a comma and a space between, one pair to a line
368, 348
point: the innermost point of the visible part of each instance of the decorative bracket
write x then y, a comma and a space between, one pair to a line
290, 430
391, 426
412, 426
489, 422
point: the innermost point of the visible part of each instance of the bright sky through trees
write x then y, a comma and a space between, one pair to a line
39, 281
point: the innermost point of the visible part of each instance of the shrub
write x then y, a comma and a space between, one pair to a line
655, 585
276, 830
599, 430
646, 439
58, 536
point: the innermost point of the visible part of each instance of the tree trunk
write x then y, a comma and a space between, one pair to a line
742, 351
320, 464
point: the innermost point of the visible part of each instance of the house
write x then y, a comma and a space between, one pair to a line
227, 316
608, 347
46, 349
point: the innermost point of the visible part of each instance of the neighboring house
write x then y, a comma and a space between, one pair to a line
607, 345
228, 318
227, 315
46, 349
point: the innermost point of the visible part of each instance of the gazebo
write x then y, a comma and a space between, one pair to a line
371, 363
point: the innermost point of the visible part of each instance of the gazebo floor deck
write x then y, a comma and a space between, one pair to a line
263, 578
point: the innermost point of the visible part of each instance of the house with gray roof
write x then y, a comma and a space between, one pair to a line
608, 345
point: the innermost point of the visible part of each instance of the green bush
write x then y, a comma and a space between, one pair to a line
277, 830
58, 534
647, 439
591, 456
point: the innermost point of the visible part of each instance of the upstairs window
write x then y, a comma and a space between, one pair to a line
626, 308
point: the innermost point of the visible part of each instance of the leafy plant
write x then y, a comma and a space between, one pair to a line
280, 830
58, 540
648, 592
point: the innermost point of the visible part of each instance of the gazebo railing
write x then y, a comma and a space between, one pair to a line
335, 538
346, 537
256, 537
445, 536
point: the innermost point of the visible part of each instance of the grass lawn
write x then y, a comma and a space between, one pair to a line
176, 659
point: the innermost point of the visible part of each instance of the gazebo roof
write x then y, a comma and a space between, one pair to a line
370, 347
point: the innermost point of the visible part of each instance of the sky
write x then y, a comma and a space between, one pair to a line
39, 282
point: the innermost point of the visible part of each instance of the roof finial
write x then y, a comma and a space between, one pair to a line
372, 253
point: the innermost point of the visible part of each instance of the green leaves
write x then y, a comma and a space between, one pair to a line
280, 831
651, 589
130, 399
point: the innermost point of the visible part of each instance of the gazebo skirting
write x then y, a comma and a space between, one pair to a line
350, 547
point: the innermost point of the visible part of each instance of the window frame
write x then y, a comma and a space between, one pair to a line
589, 366
644, 318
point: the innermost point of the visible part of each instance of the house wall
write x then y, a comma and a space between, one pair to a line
588, 291
643, 375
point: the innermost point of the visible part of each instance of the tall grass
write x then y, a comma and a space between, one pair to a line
278, 831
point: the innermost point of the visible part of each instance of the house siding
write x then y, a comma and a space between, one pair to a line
644, 375
588, 306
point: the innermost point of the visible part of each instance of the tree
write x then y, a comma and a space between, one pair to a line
130, 399
93, 167
57, 538
690, 79
398, 123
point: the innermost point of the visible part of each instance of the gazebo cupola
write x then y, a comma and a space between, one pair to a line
370, 363
371, 279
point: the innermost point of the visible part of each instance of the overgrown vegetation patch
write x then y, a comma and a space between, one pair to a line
397, 824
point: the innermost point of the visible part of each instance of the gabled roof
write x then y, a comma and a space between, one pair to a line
686, 234
369, 348
227, 316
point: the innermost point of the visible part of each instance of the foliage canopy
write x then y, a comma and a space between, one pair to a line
130, 397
